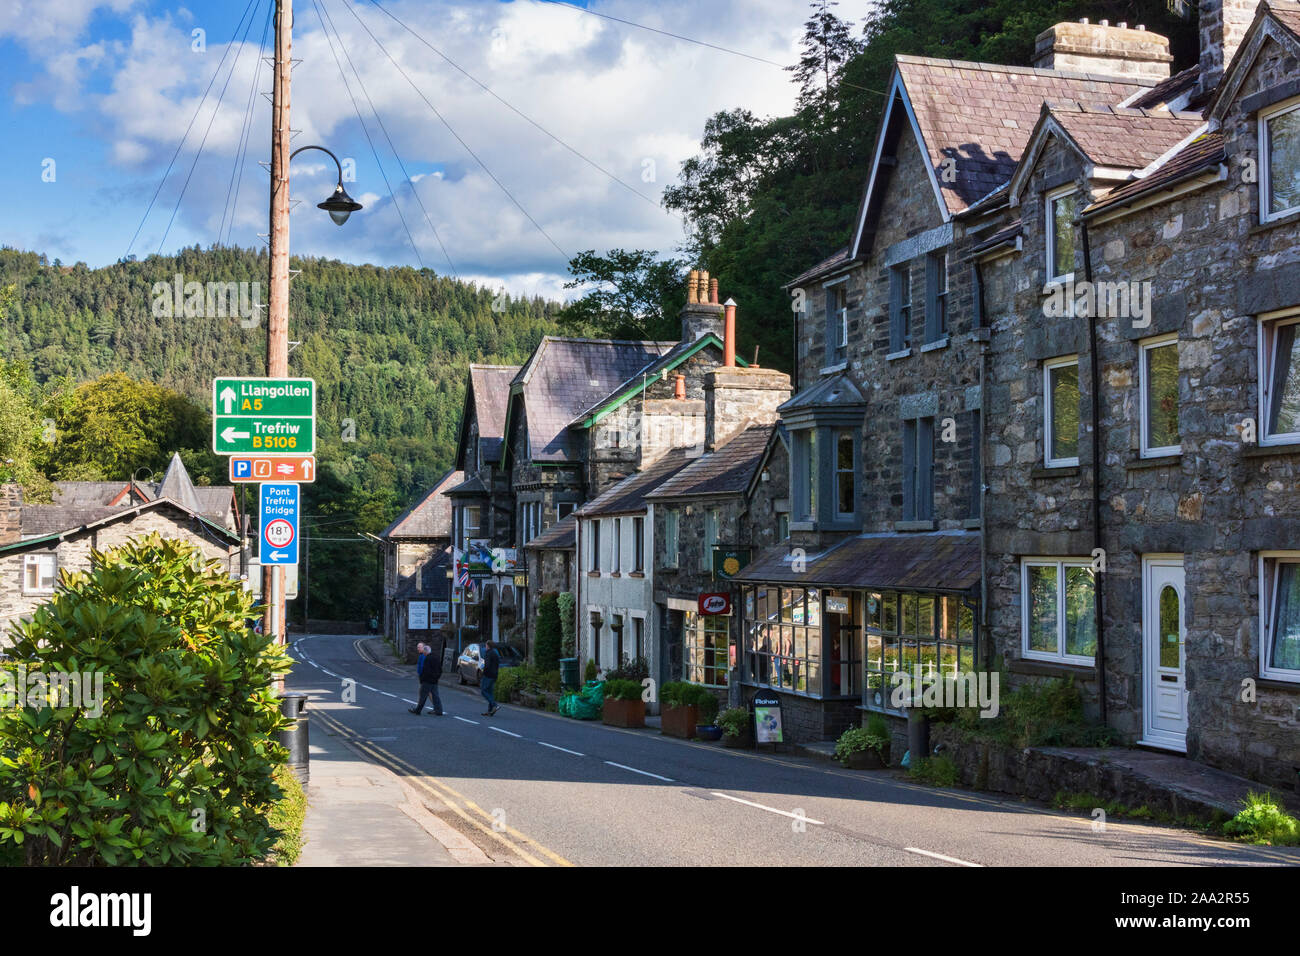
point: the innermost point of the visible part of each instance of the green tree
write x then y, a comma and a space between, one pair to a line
170, 758
546, 651
627, 295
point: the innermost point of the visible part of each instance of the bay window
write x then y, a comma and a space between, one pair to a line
782, 639
1059, 610
906, 630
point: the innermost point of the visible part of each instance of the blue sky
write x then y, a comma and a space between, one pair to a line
99, 93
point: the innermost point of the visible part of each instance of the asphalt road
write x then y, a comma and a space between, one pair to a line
545, 790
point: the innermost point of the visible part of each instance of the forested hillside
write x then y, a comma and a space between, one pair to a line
387, 347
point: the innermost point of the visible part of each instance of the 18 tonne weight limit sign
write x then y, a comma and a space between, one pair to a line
278, 512
275, 415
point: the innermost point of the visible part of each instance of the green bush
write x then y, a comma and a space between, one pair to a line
858, 739
590, 671
566, 603
287, 815
510, 680
680, 693
1045, 713
878, 727
549, 681
546, 650
618, 689
175, 765
734, 721
1264, 820
938, 771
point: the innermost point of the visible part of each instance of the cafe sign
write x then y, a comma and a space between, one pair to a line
715, 604
728, 562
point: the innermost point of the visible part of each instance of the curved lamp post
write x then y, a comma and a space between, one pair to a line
339, 205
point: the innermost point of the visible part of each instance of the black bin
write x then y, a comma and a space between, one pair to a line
569, 673
294, 739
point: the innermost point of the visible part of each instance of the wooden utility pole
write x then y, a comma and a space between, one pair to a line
277, 326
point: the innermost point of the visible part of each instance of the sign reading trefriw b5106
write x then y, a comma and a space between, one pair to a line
275, 415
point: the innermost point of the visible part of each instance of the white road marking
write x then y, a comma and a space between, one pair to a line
565, 749
760, 806
375, 689
940, 856
645, 773
387, 694
500, 731
466, 719
331, 673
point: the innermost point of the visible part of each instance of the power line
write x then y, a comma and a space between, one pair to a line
181, 144
203, 142
374, 152
487, 89
241, 151
401, 165
452, 130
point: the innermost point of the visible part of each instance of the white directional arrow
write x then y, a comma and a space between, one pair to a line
307, 469
228, 397
228, 434
277, 555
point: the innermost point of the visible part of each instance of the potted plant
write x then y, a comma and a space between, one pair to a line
707, 703
864, 748
623, 704
680, 712
736, 731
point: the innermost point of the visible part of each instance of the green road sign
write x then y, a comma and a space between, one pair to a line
264, 415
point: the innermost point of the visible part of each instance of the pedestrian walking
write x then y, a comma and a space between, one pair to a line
428, 667
488, 679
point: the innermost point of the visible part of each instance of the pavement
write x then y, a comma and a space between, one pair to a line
531, 788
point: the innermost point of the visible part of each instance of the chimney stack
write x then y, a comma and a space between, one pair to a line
1223, 25
1101, 48
729, 336
679, 387
713, 291
735, 398
702, 313
11, 513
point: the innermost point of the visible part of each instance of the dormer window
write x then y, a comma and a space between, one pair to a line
1279, 149
1061, 207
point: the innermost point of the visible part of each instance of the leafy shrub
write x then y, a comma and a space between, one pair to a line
938, 771
287, 815
734, 721
617, 689
178, 765
510, 680
680, 693
1263, 820
549, 681
637, 669
566, 604
1045, 713
859, 739
590, 672
546, 651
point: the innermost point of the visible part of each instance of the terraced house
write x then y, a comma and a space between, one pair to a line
1046, 402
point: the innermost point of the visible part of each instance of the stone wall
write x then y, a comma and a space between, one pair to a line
11, 513
808, 720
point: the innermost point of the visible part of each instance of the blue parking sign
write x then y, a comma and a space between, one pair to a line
278, 520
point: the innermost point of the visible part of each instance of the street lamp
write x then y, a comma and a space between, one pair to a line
339, 205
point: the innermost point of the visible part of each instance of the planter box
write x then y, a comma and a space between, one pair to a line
865, 760
679, 721
744, 741
623, 713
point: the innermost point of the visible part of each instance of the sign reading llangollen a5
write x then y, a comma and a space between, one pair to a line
251, 415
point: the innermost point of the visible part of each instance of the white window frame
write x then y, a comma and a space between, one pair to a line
1060, 657
1268, 571
1145, 347
36, 558
1267, 337
1048, 460
1265, 166
1049, 230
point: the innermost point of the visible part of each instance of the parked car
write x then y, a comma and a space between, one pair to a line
470, 662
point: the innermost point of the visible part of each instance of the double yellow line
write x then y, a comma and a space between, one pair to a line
526, 848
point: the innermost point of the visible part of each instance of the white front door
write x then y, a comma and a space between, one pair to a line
1164, 655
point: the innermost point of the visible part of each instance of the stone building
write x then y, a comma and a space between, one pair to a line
420, 534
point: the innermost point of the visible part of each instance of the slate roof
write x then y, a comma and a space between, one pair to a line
177, 486
629, 495
1202, 153
940, 561
982, 115
42, 522
727, 470
561, 536
1003, 236
565, 375
89, 494
472, 487
49, 519
491, 389
1122, 137
648, 374
828, 265
1168, 90
1287, 14
835, 391
430, 515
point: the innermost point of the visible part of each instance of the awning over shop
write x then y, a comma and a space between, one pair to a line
946, 561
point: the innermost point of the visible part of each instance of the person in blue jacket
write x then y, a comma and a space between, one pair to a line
428, 667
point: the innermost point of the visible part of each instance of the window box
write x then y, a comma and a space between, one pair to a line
679, 721
623, 713
1058, 610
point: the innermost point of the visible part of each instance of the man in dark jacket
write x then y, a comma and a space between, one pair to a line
488, 679
429, 668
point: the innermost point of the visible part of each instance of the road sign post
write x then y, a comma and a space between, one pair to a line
278, 510
264, 416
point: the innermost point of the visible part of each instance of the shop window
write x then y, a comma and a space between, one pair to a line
1279, 147
1059, 610
1279, 589
906, 631
1159, 383
1060, 234
1061, 412
782, 639
39, 573
704, 648
1279, 377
